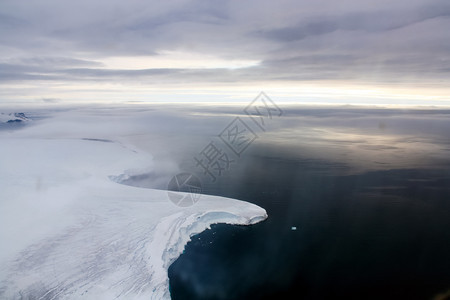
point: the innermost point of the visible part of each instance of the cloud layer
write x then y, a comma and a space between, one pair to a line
209, 43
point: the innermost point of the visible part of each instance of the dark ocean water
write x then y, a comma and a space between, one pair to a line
369, 195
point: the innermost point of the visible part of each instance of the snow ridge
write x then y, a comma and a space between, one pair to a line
13, 118
68, 232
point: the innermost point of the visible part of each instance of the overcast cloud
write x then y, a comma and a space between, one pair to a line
211, 43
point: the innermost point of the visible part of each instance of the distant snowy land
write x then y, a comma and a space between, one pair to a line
68, 232
13, 118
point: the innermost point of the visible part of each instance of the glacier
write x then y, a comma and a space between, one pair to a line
13, 117
68, 232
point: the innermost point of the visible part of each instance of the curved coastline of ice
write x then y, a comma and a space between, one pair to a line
68, 232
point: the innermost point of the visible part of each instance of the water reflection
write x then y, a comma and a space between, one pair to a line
368, 193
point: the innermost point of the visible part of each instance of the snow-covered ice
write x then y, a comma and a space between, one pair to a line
13, 117
68, 232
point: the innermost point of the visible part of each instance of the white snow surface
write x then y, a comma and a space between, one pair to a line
68, 232
5, 117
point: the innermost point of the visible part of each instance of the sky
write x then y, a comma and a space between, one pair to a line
322, 51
